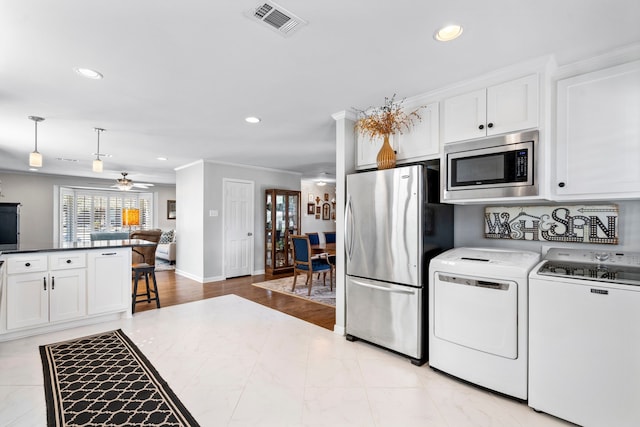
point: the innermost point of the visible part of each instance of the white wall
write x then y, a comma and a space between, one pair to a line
199, 188
309, 223
189, 220
469, 230
35, 192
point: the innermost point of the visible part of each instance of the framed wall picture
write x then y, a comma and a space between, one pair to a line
326, 197
171, 209
311, 198
311, 208
326, 211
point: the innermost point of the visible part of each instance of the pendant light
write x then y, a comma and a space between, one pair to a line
97, 163
35, 158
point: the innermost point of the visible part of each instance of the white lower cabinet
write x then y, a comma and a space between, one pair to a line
109, 287
44, 291
50, 295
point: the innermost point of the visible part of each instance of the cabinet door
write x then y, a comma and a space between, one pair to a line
109, 275
598, 141
512, 106
423, 139
465, 116
67, 294
27, 300
367, 151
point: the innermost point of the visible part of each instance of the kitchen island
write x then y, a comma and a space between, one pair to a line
44, 288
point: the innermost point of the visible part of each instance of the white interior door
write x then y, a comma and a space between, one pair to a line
238, 227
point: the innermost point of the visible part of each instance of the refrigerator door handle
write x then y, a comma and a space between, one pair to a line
348, 227
382, 288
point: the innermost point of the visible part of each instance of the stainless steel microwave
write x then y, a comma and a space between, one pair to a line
496, 167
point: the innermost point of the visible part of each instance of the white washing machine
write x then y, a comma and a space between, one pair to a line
478, 317
584, 337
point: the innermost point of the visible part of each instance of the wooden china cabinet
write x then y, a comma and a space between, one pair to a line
282, 208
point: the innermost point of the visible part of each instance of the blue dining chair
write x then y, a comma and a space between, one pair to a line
330, 236
303, 263
314, 238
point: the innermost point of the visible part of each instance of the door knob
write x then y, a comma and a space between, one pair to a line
249, 234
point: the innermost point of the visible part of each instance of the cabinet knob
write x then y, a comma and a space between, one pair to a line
481, 127
561, 184
27, 264
68, 261
490, 125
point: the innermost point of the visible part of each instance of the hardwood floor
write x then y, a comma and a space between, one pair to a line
175, 289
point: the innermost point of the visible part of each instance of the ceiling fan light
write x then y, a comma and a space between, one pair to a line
97, 165
124, 184
35, 160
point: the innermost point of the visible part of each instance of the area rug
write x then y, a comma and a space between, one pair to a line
104, 380
319, 292
162, 265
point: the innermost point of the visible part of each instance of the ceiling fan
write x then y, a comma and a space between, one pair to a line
125, 184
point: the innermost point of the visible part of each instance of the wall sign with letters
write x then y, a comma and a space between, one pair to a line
569, 224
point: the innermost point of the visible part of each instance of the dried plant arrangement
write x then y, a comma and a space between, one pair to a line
388, 119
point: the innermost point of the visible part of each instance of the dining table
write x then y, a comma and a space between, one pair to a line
324, 248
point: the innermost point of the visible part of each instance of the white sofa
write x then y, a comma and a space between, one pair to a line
167, 246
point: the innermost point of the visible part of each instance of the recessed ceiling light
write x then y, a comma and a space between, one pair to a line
253, 119
161, 158
88, 73
448, 33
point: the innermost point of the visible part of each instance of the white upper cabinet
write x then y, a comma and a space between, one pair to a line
597, 151
503, 108
422, 140
367, 150
418, 143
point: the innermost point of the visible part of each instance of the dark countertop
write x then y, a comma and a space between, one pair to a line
71, 246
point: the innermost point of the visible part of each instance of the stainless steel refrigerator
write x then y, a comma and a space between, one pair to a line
394, 225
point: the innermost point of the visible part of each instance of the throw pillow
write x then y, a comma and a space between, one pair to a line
166, 237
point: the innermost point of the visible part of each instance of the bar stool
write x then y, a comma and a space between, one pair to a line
144, 266
146, 270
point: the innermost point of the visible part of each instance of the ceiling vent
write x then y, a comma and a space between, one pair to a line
277, 18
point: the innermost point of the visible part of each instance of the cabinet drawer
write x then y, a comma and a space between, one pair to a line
26, 264
67, 260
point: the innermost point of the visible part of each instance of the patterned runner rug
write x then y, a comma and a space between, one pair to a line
103, 380
320, 293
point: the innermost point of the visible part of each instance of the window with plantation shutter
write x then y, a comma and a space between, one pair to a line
83, 211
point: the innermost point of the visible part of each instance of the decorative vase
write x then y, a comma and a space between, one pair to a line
386, 156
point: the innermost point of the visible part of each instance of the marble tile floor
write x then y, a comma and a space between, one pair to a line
233, 362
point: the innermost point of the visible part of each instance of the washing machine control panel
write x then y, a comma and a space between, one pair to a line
619, 258
603, 266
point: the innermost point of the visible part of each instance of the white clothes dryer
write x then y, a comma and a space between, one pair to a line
478, 316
